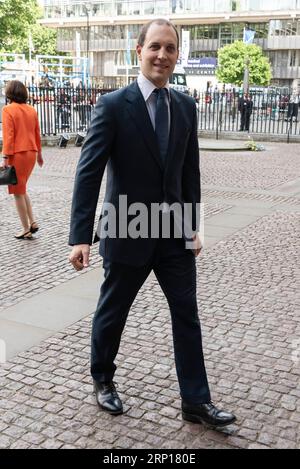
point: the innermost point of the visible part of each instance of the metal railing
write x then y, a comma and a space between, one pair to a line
69, 110
64, 109
269, 113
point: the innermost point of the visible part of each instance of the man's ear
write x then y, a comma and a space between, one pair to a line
138, 51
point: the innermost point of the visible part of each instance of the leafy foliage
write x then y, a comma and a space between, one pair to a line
43, 41
16, 16
254, 146
18, 20
232, 59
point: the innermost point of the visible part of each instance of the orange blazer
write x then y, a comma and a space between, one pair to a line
20, 129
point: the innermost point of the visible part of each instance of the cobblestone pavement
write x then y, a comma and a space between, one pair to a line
262, 170
51, 191
248, 290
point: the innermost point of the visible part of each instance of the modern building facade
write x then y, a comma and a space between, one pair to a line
106, 32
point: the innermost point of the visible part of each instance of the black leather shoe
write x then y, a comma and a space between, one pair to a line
207, 414
107, 398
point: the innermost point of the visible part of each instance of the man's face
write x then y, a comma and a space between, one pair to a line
159, 54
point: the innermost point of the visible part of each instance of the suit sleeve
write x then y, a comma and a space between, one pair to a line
94, 156
191, 174
8, 133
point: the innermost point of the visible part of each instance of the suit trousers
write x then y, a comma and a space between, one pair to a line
245, 120
175, 270
293, 110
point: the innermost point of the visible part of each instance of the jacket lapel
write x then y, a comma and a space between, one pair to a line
137, 109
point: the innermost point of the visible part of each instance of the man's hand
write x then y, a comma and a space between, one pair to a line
197, 245
80, 256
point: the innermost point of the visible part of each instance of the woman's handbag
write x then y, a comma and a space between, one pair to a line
8, 176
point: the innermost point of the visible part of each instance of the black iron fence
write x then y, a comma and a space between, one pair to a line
261, 113
64, 109
69, 110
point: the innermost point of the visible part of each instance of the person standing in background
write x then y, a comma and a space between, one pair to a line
293, 106
21, 149
245, 108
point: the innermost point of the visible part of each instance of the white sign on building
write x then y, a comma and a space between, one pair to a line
185, 47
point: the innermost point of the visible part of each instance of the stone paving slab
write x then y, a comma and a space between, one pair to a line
292, 187
30, 321
237, 220
19, 336
265, 198
208, 144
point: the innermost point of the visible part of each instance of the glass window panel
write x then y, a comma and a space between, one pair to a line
292, 58
134, 8
222, 5
161, 7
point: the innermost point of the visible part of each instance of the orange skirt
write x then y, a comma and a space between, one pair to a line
24, 163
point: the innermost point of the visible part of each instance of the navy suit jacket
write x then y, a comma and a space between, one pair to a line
121, 138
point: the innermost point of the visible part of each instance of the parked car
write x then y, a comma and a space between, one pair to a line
178, 80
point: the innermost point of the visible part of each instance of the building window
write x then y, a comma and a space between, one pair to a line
293, 55
261, 30
230, 32
203, 31
120, 58
284, 28
70, 11
95, 9
200, 54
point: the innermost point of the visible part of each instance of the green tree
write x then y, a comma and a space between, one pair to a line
18, 21
43, 41
231, 64
16, 16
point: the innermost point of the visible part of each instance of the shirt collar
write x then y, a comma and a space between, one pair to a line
147, 87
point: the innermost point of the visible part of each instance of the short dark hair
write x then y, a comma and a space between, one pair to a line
159, 21
16, 91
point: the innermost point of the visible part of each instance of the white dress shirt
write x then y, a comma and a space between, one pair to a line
147, 88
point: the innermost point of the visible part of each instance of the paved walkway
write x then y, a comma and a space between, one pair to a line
248, 280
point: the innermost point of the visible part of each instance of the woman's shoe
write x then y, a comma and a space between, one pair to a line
26, 235
34, 227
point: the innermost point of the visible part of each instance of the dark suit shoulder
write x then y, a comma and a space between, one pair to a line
183, 98
117, 95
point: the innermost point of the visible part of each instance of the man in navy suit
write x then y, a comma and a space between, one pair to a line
146, 136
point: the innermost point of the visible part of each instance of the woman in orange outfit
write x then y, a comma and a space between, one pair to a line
21, 149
